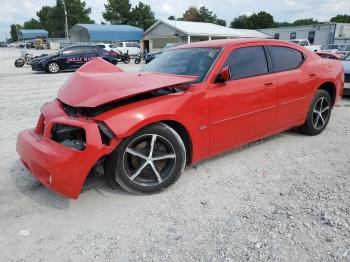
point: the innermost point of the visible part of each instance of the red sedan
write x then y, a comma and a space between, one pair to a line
195, 101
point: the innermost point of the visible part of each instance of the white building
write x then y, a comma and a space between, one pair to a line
319, 34
173, 31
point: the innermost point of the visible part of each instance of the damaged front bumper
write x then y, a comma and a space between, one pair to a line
59, 167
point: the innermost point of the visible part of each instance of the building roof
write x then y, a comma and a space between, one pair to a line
232, 42
208, 29
110, 32
32, 33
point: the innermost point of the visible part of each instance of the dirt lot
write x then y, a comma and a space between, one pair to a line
285, 198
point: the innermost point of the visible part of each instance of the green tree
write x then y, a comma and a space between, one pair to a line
202, 14
117, 11
254, 21
142, 16
14, 32
283, 24
305, 21
341, 19
32, 24
52, 18
221, 22
45, 15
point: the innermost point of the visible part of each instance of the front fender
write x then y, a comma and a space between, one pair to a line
188, 110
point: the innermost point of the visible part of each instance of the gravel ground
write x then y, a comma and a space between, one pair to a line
285, 198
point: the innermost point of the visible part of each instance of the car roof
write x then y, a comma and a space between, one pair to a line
232, 42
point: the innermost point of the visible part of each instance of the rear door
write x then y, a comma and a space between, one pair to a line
243, 108
295, 84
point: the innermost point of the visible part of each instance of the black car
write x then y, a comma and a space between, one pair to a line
70, 58
150, 56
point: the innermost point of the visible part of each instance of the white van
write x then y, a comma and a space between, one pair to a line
132, 48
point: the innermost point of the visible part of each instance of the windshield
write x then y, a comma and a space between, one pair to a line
187, 61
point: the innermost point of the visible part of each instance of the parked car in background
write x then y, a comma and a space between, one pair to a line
346, 65
140, 129
305, 43
3, 44
328, 55
70, 58
132, 48
344, 50
15, 44
332, 48
108, 47
29, 44
151, 55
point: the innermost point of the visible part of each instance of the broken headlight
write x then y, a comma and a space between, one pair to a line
71, 136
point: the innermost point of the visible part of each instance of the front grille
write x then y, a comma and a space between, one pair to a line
347, 78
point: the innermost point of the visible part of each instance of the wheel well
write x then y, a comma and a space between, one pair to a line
330, 88
185, 136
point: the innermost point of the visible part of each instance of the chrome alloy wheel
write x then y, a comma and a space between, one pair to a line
53, 67
149, 160
321, 113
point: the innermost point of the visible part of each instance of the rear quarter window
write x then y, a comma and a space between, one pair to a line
285, 58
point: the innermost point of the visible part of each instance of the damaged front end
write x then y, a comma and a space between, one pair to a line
70, 141
61, 151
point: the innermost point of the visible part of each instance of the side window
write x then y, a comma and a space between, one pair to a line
76, 50
90, 49
247, 61
276, 36
304, 43
293, 36
285, 58
120, 44
129, 44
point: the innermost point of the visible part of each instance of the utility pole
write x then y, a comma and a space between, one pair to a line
65, 19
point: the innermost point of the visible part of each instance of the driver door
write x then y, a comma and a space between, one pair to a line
243, 108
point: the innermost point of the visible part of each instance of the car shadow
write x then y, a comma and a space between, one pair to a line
32, 188
292, 132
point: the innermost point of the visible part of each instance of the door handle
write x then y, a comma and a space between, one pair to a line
312, 75
269, 83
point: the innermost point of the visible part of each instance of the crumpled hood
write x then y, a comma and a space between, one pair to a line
99, 82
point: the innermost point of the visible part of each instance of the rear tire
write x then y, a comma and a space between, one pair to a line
318, 115
19, 62
150, 160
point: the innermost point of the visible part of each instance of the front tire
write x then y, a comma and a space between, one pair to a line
150, 160
318, 115
53, 68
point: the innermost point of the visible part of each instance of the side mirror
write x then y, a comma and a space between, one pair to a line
224, 75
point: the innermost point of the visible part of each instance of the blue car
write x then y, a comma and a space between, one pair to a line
71, 58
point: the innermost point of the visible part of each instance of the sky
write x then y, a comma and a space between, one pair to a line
19, 11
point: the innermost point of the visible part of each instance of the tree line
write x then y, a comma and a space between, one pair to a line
52, 18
